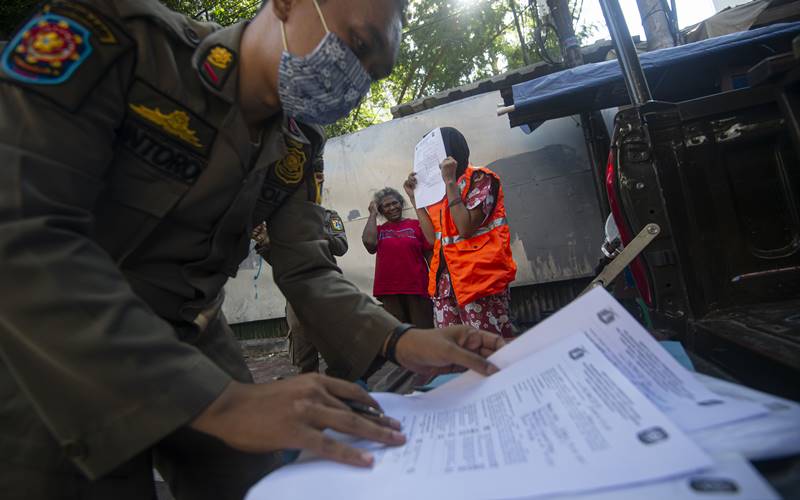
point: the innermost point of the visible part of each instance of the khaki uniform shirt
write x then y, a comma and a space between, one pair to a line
129, 185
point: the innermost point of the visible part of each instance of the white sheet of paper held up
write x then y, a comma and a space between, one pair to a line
564, 420
672, 388
428, 154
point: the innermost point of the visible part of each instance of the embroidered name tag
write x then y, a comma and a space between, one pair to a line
170, 118
164, 155
165, 134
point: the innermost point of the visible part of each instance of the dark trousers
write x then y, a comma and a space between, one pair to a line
196, 465
412, 309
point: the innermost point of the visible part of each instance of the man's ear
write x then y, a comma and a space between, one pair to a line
281, 8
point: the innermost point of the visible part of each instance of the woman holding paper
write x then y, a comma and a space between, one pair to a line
472, 264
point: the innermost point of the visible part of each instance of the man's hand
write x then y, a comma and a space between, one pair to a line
373, 208
450, 349
409, 186
448, 168
292, 413
259, 234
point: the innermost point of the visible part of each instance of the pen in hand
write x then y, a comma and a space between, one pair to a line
372, 412
364, 409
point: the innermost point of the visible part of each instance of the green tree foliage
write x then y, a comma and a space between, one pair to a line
224, 12
449, 43
446, 43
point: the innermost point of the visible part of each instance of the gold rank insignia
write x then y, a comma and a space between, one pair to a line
220, 57
176, 123
217, 65
290, 168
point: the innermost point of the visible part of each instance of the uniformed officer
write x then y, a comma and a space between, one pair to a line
302, 352
138, 149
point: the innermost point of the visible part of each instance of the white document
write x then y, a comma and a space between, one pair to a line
428, 154
774, 435
564, 420
672, 388
732, 477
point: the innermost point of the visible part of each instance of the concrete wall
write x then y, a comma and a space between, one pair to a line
552, 207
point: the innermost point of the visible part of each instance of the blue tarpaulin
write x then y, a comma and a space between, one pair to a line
674, 74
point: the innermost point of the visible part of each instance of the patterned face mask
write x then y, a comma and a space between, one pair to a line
324, 85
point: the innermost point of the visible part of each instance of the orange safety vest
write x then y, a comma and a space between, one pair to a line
481, 265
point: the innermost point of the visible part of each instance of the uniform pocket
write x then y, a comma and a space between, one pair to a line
138, 186
136, 199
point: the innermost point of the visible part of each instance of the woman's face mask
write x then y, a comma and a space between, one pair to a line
325, 85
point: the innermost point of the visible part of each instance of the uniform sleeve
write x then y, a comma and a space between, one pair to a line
338, 242
105, 375
347, 327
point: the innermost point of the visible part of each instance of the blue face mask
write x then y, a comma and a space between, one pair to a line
323, 86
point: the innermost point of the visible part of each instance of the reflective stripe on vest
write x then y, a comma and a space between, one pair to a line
452, 240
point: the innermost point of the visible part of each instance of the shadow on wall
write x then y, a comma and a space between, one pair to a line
554, 213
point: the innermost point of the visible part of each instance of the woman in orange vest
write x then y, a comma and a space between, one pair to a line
472, 265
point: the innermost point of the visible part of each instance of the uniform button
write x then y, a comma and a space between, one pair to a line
76, 449
191, 35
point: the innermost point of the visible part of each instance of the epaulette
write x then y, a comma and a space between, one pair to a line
179, 26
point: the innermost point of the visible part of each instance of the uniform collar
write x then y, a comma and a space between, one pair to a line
216, 61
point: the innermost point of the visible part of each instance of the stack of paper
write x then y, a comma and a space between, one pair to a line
587, 405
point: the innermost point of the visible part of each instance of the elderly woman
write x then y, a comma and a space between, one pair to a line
401, 271
472, 264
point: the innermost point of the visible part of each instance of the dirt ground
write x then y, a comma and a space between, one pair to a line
269, 363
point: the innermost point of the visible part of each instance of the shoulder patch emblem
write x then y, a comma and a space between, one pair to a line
176, 123
336, 224
47, 50
217, 65
290, 168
